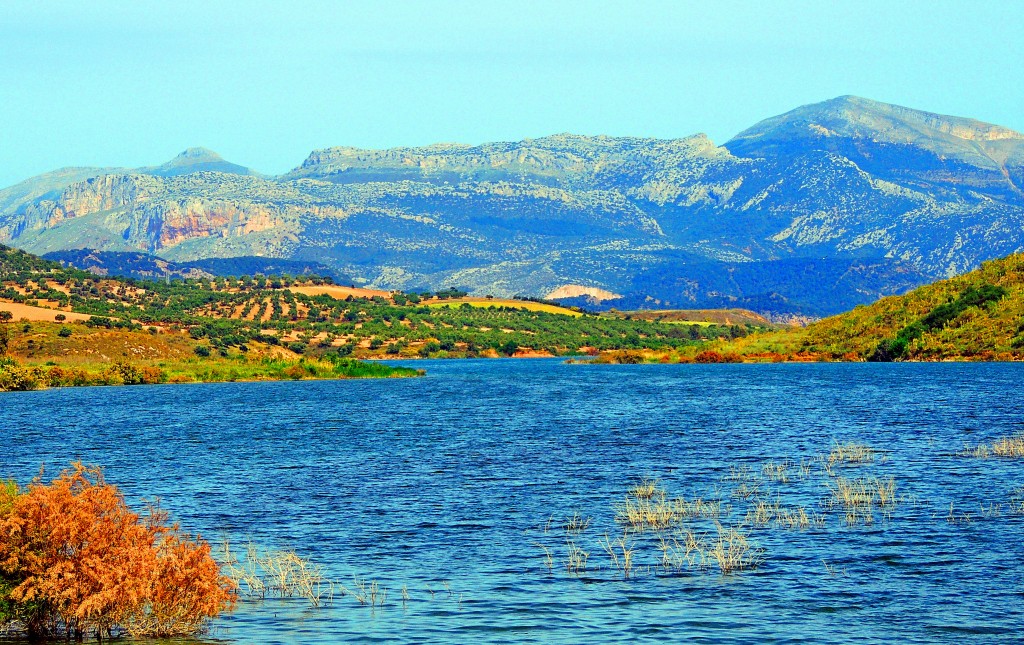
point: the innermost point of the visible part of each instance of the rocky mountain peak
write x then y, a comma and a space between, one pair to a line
191, 155
812, 211
851, 125
196, 159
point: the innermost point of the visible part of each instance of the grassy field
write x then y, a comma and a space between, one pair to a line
46, 354
697, 316
20, 311
339, 292
492, 303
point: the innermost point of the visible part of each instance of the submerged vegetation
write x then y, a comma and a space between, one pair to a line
1003, 447
728, 527
721, 529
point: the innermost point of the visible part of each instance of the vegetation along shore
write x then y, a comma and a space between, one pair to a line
976, 316
65, 326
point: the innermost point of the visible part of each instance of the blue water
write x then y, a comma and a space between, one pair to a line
445, 484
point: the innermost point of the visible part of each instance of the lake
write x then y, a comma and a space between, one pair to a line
456, 485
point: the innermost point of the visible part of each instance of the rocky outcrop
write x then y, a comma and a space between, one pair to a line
595, 294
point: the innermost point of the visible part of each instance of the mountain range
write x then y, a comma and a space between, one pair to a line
808, 213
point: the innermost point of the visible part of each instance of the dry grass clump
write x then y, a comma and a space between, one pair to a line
762, 512
885, 491
1017, 500
658, 513
683, 549
621, 552
1002, 447
798, 518
776, 471
697, 508
576, 524
850, 453
643, 514
732, 551
858, 497
282, 573
863, 492
981, 451
746, 490
646, 489
765, 512
1009, 446
742, 474
576, 558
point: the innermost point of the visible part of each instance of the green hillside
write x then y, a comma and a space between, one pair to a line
975, 316
978, 315
298, 314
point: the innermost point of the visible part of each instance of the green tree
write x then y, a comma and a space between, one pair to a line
5, 330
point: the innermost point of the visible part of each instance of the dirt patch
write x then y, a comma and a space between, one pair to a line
340, 293
38, 314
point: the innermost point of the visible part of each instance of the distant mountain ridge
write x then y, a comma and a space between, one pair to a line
143, 266
806, 213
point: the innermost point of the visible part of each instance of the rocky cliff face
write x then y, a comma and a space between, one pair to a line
148, 213
818, 209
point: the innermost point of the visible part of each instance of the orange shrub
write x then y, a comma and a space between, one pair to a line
296, 372
79, 562
153, 375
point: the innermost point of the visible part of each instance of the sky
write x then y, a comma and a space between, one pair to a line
133, 83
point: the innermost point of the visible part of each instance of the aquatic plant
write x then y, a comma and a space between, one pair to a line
850, 452
762, 512
742, 473
1003, 447
831, 569
954, 518
863, 492
646, 513
1017, 500
776, 471
645, 489
733, 552
576, 524
683, 549
620, 551
548, 559
576, 558
366, 593
697, 508
798, 518
281, 573
747, 490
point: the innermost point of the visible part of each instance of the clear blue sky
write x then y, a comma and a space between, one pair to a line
132, 83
